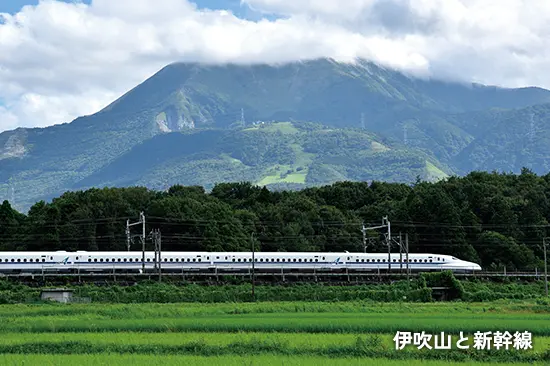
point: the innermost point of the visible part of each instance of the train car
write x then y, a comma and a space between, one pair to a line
136, 261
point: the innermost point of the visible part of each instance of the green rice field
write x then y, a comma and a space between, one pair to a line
268, 333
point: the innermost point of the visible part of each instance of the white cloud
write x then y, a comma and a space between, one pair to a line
59, 60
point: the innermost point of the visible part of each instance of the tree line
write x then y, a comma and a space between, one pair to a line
495, 219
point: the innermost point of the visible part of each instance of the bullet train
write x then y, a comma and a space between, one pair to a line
83, 261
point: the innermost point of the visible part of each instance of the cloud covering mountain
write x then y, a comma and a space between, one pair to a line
60, 60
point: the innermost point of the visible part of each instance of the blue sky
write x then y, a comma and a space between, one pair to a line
13, 6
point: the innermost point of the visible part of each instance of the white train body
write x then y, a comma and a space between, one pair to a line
180, 261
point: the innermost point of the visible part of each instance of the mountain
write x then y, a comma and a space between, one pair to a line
185, 125
282, 153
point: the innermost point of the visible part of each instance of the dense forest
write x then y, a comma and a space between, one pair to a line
497, 220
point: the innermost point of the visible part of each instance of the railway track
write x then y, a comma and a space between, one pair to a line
263, 276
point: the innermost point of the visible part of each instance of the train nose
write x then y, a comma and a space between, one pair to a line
476, 267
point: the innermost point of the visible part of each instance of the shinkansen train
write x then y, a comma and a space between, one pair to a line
82, 261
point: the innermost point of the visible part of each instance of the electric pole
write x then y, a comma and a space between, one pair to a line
400, 254
364, 231
155, 235
388, 240
407, 254
253, 265
142, 236
545, 244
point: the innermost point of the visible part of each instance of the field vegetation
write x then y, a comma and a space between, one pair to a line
288, 333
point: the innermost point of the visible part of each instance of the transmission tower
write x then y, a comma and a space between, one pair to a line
242, 117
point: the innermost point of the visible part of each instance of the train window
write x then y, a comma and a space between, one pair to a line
323, 258
43, 259
13, 260
89, 260
395, 260
430, 261
217, 257
283, 259
225, 258
316, 260
193, 259
76, 258
200, 259
261, 259
51, 258
362, 260
118, 259
131, 260
137, 260
24, 260
189, 260
207, 258
177, 259
95, 259
171, 259
357, 260
426, 261
443, 259
233, 259
101, 260
238, 260
125, 259
30, 260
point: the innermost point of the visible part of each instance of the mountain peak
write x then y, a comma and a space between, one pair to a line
421, 124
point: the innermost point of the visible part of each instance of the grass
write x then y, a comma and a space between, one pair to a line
359, 308
288, 333
274, 176
433, 173
355, 317
539, 324
294, 343
153, 360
